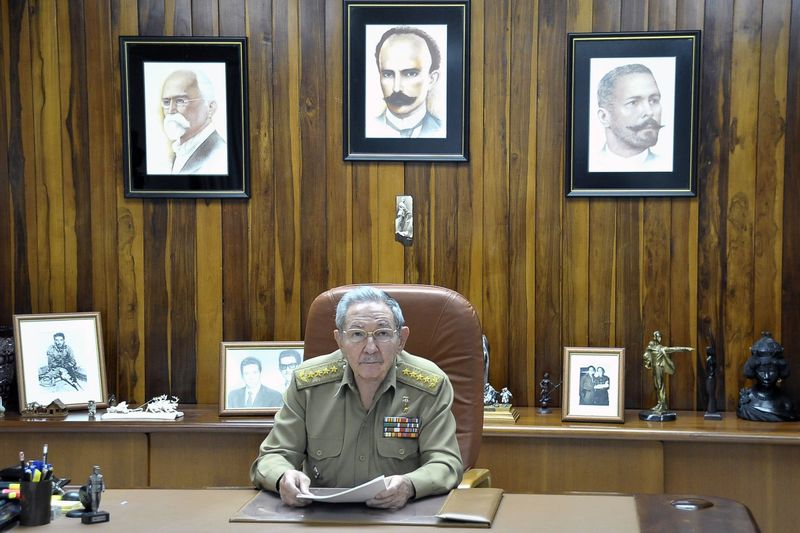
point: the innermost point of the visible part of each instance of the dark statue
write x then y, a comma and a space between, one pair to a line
765, 401
546, 388
711, 385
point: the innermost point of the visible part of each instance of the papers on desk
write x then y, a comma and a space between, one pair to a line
359, 494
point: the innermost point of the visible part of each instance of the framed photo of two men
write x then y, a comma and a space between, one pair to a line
632, 113
184, 117
406, 80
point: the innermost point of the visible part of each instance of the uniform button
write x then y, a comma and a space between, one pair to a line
319, 453
362, 458
402, 451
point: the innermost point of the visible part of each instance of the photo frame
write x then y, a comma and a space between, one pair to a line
184, 117
406, 80
254, 375
594, 385
632, 113
60, 357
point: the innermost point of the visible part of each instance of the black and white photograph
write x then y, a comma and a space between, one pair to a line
60, 357
406, 80
632, 109
594, 384
254, 375
185, 117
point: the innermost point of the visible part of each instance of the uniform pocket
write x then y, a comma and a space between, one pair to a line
321, 448
398, 449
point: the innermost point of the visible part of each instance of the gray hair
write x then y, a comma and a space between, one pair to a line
607, 83
364, 294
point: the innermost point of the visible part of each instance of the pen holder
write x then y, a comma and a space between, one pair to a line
35, 500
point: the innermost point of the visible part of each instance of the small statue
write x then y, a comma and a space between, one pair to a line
2, 408
656, 357
765, 401
112, 400
711, 385
505, 396
92, 408
546, 389
489, 395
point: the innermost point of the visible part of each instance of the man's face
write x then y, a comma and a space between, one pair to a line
633, 119
287, 365
590, 371
405, 63
184, 120
370, 360
59, 340
252, 376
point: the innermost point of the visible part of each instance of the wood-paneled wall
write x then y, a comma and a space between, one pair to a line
173, 278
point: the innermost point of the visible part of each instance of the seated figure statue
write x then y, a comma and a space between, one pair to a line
765, 401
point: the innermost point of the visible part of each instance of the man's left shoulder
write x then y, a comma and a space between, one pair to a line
419, 373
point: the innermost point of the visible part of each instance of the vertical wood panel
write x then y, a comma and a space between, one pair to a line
173, 278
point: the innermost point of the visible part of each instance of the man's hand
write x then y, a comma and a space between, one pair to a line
399, 490
292, 483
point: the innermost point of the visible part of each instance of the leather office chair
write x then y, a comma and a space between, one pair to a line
445, 329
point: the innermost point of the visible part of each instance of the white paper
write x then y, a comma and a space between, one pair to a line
359, 494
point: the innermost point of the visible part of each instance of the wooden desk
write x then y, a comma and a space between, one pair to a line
756, 463
751, 462
179, 511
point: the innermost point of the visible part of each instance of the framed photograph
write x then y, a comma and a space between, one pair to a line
406, 80
594, 385
60, 357
255, 375
184, 117
632, 112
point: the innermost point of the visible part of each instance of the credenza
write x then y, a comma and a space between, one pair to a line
755, 463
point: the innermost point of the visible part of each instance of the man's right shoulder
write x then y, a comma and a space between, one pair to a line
319, 370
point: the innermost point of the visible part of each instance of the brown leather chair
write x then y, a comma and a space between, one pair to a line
445, 329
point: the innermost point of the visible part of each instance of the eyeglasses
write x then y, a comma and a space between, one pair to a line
360, 336
180, 102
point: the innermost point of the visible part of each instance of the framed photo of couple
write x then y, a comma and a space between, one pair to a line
184, 117
254, 375
632, 113
60, 357
406, 80
594, 385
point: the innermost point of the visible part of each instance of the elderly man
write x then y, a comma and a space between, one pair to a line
367, 409
629, 108
189, 104
408, 62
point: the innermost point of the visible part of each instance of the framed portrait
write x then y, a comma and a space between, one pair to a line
632, 112
406, 80
594, 385
254, 375
184, 117
60, 357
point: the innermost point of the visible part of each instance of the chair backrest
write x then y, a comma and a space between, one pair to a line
444, 328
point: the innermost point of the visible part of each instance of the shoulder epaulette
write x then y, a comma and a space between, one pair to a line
319, 374
419, 378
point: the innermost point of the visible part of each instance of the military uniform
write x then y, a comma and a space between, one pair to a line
323, 428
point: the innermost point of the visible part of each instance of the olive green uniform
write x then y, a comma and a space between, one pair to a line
324, 429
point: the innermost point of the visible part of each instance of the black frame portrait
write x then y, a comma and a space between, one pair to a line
38, 383
268, 354
669, 168
367, 136
145, 63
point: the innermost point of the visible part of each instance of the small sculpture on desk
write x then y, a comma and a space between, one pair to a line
505, 397
711, 385
112, 400
765, 401
92, 409
656, 357
2, 408
90, 498
489, 395
546, 388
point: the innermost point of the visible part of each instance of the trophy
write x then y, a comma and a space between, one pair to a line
496, 404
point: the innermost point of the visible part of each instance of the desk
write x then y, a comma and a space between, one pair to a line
179, 511
756, 463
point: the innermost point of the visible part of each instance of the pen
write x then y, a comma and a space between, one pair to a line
44, 454
9, 485
22, 466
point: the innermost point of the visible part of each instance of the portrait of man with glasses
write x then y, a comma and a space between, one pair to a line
368, 409
186, 127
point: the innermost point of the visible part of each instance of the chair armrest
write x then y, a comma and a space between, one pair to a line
476, 477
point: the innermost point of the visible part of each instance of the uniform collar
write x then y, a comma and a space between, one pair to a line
349, 379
